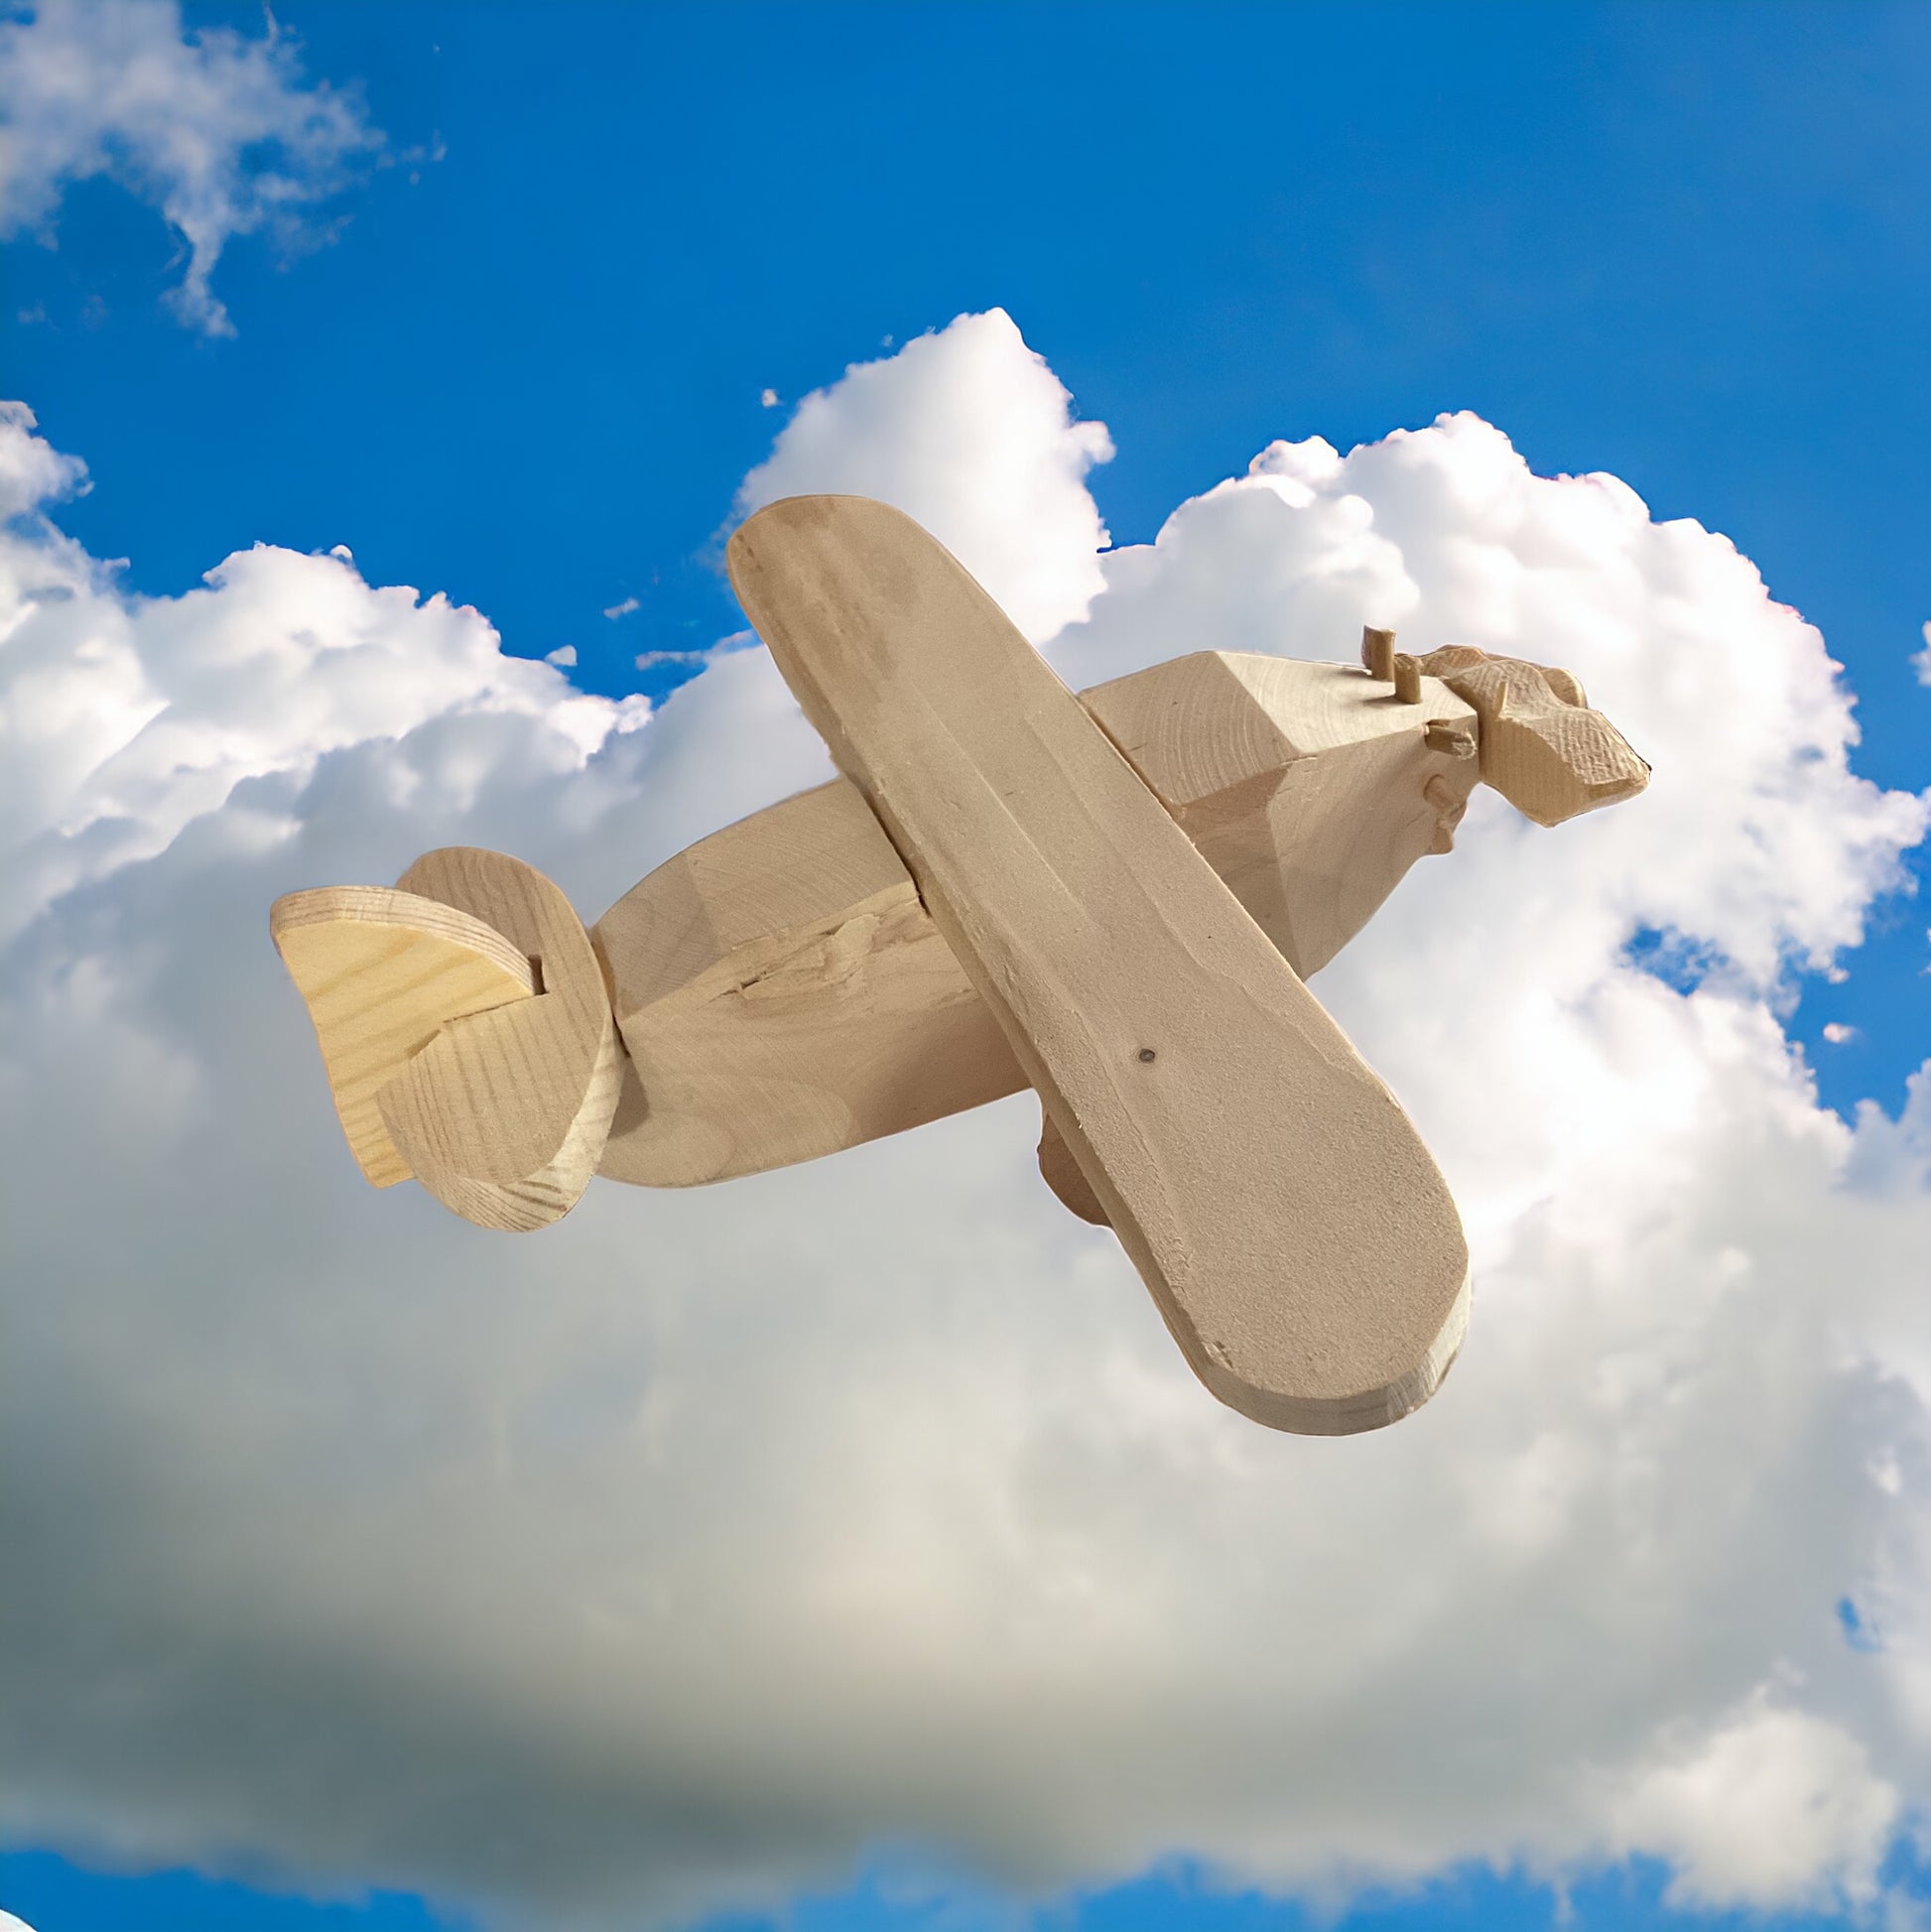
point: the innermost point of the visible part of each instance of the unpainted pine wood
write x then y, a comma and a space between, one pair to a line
783, 993
382, 974
1378, 654
1310, 788
503, 1116
1061, 1172
1291, 1227
1542, 747
1305, 786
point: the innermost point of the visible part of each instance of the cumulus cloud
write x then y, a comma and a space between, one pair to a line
672, 1556
1445, 534
123, 719
1775, 1810
969, 432
216, 130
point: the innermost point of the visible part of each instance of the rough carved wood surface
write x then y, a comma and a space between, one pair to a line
784, 994
1542, 747
503, 1116
383, 973
1305, 786
1293, 1230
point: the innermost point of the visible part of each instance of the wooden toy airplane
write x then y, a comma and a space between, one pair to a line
1112, 898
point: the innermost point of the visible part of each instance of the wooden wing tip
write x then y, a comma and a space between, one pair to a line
1276, 1402
793, 517
806, 510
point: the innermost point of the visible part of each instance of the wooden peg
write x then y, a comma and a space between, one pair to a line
382, 974
1377, 653
1407, 679
1450, 736
503, 1115
1294, 1231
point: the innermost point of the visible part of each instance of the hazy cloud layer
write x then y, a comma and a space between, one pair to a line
216, 130
670, 1556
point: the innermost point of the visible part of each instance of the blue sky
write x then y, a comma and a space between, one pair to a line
1682, 245
56, 1894
527, 349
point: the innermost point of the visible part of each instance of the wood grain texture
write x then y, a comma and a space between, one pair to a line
1294, 1232
503, 1116
1305, 786
1542, 747
784, 994
383, 973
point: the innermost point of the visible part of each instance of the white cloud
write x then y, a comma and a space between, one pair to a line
215, 129
1923, 658
33, 474
1756, 836
123, 719
1774, 1810
675, 1554
969, 432
768, 399
564, 657
623, 609
1838, 1034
